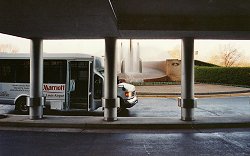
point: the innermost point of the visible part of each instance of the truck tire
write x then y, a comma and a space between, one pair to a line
21, 106
121, 108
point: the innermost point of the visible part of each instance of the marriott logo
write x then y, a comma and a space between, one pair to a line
53, 87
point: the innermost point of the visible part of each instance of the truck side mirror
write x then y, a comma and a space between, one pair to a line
123, 88
72, 85
118, 81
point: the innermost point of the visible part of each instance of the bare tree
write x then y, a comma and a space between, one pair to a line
227, 55
230, 55
8, 48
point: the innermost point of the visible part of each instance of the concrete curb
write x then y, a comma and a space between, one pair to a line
144, 123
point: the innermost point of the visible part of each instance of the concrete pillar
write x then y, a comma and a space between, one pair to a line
36, 100
110, 102
187, 101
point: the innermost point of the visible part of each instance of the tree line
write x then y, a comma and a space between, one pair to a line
226, 55
8, 48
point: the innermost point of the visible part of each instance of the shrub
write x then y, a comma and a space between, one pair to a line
223, 75
201, 63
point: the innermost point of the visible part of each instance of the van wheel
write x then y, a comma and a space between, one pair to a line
121, 108
21, 106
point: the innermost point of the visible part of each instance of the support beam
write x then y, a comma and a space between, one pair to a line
36, 100
187, 101
110, 102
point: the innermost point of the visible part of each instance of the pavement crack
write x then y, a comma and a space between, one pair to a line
208, 111
232, 141
146, 149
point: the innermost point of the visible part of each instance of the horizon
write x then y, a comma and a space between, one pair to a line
150, 49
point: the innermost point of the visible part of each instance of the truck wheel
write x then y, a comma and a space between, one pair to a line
121, 108
21, 106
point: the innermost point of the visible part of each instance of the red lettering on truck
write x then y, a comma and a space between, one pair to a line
51, 87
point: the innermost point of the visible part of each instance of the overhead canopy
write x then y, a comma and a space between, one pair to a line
75, 19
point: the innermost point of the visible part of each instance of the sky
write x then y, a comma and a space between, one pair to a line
150, 50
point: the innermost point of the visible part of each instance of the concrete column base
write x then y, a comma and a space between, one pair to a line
187, 108
36, 112
110, 108
187, 114
35, 107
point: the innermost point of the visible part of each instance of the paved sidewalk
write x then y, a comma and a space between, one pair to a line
239, 120
146, 123
233, 113
199, 89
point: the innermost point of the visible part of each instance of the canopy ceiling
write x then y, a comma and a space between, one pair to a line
81, 19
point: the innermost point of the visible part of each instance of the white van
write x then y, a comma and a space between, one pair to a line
71, 82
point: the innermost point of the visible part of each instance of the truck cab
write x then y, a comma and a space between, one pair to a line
127, 94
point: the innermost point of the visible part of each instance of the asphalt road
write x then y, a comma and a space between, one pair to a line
164, 107
207, 107
192, 142
226, 142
